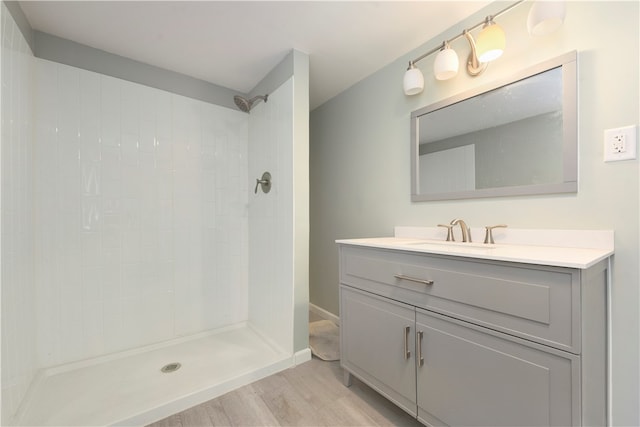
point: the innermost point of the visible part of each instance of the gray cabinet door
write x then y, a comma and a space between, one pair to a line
473, 378
374, 332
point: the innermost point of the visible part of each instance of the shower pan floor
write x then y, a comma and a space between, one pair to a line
130, 389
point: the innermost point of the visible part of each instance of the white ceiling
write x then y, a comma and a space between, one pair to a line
236, 43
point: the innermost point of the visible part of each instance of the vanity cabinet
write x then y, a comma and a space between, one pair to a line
465, 341
470, 377
381, 345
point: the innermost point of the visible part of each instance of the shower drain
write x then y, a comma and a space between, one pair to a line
171, 367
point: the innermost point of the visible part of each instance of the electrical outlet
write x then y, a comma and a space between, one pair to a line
620, 144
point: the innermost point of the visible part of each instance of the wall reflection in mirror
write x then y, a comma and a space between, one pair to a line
513, 138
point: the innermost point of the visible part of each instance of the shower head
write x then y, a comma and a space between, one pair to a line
246, 105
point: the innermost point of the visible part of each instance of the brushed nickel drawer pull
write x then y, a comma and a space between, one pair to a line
420, 358
413, 279
407, 352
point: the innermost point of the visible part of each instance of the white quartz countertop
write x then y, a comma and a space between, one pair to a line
572, 248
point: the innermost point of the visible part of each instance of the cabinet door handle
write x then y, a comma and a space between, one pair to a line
413, 279
420, 334
407, 352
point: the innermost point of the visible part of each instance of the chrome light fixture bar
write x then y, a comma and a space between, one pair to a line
544, 18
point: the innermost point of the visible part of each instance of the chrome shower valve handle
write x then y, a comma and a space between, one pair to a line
264, 183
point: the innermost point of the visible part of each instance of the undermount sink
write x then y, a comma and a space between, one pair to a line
457, 245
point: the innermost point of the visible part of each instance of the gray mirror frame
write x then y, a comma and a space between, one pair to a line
568, 62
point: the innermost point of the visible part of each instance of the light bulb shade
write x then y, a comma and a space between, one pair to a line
545, 17
413, 81
446, 64
490, 42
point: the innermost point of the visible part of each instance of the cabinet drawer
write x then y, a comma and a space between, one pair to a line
533, 302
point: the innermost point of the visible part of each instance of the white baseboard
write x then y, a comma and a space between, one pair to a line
302, 356
324, 314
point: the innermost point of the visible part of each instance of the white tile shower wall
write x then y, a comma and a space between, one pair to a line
141, 214
271, 217
18, 289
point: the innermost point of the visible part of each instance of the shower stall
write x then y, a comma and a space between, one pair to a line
141, 274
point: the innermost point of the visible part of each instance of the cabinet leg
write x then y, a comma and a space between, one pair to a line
346, 378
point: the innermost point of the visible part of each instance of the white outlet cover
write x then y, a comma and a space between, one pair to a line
626, 134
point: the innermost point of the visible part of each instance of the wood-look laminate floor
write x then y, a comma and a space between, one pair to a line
311, 394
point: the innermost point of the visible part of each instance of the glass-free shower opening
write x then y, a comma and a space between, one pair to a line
151, 248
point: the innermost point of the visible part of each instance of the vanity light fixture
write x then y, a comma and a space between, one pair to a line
446, 64
544, 18
491, 41
413, 80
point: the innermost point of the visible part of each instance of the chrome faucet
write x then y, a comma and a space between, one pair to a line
466, 235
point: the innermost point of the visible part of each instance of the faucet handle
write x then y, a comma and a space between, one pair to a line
449, 232
488, 237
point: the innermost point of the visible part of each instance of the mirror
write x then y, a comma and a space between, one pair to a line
514, 137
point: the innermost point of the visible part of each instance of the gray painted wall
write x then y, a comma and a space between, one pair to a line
21, 21
47, 46
359, 169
